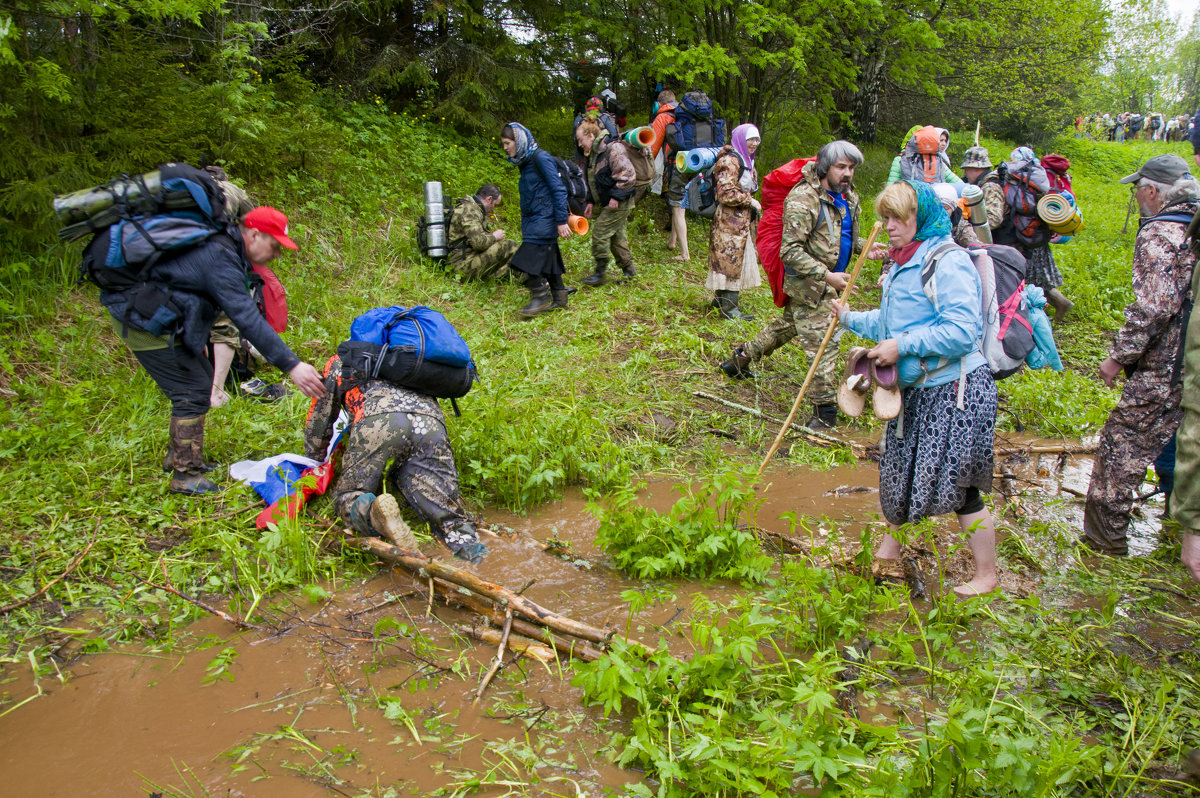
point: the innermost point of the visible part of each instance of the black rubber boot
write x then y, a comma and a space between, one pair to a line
825, 418
539, 301
598, 277
737, 367
560, 298
727, 305
186, 452
629, 272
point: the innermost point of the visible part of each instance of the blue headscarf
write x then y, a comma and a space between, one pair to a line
932, 219
525, 143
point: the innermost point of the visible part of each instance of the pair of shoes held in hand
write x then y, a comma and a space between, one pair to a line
861, 374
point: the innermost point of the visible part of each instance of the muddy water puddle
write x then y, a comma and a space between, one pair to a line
370, 694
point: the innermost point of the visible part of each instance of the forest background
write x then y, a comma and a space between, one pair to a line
92, 89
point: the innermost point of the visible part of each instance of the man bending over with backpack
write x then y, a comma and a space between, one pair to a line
476, 251
190, 287
396, 425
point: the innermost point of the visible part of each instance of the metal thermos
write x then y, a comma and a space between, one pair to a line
973, 198
435, 220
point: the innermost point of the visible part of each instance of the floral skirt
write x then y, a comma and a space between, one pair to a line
1041, 270
943, 450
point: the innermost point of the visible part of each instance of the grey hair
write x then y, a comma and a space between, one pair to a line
1185, 188
836, 151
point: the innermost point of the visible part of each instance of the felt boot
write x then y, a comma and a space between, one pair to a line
539, 301
186, 453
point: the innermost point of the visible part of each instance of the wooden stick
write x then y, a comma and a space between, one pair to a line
814, 436
7, 608
812, 368
518, 644
499, 660
501, 595
571, 648
1064, 448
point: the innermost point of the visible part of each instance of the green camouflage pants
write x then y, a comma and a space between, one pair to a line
1145, 418
608, 236
422, 467
807, 325
482, 265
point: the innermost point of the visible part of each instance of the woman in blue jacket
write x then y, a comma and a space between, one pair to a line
938, 453
543, 221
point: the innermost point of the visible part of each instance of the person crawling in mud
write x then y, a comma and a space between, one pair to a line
391, 424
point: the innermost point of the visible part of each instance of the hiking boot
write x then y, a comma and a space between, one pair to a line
598, 277
186, 453
263, 391
560, 298
737, 367
386, 521
539, 301
825, 418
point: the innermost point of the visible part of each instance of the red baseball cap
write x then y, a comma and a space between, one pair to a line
274, 223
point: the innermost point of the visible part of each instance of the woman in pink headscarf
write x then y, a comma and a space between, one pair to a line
732, 258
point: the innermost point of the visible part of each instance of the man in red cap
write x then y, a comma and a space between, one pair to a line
270, 226
179, 299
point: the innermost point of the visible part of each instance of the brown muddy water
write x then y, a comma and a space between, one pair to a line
368, 694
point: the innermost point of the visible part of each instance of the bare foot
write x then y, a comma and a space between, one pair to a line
979, 586
671, 244
218, 398
681, 258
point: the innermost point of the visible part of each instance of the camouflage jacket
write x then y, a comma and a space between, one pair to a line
610, 173
360, 400
1162, 276
469, 230
812, 232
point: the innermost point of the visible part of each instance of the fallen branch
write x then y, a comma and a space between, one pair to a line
224, 616
501, 595
499, 660
7, 608
1058, 448
520, 645
813, 436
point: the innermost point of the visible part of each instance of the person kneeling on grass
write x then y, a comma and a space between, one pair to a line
391, 424
938, 453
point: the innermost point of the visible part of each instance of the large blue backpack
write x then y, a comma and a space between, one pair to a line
416, 348
694, 124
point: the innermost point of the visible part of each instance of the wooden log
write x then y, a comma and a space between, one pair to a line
501, 595
566, 648
521, 645
1064, 448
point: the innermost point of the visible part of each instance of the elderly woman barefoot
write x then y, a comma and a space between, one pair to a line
938, 453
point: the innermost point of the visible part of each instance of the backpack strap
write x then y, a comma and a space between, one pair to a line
929, 286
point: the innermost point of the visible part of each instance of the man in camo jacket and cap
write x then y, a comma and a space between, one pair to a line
1147, 348
977, 170
476, 251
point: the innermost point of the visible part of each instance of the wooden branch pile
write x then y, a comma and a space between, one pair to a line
528, 629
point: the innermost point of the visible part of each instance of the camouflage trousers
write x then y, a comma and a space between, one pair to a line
807, 325
482, 265
422, 467
1144, 419
608, 236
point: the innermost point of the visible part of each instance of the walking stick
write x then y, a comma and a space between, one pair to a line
1128, 213
812, 368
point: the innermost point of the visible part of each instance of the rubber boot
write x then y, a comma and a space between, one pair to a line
598, 277
1062, 305
187, 458
169, 463
629, 271
539, 301
825, 418
727, 306
386, 521
737, 367
560, 298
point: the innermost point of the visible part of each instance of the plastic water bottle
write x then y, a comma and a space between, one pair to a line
435, 220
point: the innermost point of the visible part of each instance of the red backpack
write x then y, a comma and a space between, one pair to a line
1056, 167
775, 188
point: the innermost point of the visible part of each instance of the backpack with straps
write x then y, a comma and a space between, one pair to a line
775, 188
416, 348
1024, 185
1007, 337
574, 181
694, 125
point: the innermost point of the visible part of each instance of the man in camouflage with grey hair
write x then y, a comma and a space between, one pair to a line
476, 251
820, 236
1148, 348
977, 170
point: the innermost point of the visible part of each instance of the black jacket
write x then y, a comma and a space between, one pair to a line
194, 285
